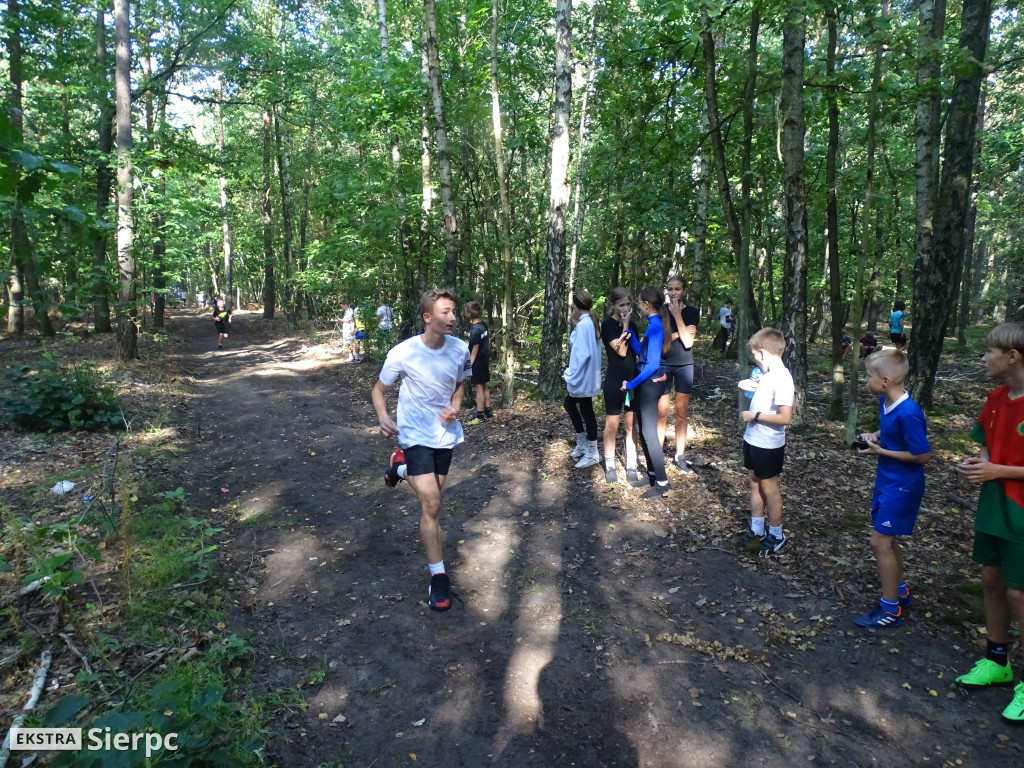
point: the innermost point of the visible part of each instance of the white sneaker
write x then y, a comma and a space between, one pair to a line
588, 460
581, 446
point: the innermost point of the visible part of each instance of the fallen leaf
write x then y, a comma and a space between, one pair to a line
418, 723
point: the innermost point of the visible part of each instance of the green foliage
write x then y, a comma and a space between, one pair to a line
53, 398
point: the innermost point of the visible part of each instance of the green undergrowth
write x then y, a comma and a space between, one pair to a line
134, 583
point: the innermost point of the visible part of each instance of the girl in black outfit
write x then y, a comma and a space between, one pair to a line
615, 333
678, 364
649, 385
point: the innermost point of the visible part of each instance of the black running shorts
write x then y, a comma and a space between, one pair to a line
765, 463
680, 377
421, 460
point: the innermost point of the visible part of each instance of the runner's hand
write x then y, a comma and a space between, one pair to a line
449, 414
388, 428
977, 470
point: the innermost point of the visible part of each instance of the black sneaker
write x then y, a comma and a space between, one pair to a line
391, 477
682, 465
749, 541
770, 545
488, 413
438, 594
656, 491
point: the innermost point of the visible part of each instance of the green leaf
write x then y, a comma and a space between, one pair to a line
61, 713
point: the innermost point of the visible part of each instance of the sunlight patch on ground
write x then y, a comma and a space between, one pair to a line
260, 501
164, 437
488, 553
290, 567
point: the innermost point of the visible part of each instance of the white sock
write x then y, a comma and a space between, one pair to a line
592, 447
679, 457
662, 483
436, 568
403, 470
757, 525
609, 462
776, 531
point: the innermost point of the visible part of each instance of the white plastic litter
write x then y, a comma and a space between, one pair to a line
62, 487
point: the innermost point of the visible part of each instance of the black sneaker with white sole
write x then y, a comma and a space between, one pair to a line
770, 545
749, 541
439, 592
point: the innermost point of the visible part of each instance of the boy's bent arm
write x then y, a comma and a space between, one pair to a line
783, 418
388, 428
451, 413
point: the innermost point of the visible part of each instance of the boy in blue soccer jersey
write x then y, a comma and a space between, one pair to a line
901, 444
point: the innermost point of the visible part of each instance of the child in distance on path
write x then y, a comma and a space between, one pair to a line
480, 359
432, 368
901, 444
222, 319
896, 333
616, 331
764, 441
999, 523
583, 379
648, 385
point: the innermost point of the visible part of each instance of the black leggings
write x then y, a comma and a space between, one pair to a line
581, 410
646, 397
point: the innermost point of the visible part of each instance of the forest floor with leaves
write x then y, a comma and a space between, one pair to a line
591, 628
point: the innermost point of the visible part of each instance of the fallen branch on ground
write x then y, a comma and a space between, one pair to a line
37, 689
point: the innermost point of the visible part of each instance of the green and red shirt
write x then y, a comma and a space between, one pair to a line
1000, 428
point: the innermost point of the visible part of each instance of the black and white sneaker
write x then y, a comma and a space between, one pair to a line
611, 476
682, 465
632, 478
439, 592
770, 545
749, 541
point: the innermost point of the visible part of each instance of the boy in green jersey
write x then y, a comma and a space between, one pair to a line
999, 524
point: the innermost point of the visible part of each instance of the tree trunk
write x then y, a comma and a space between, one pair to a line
127, 310
702, 184
98, 241
967, 283
225, 225
834, 286
508, 334
581, 158
451, 252
745, 302
554, 286
269, 284
794, 294
284, 178
427, 197
867, 224
936, 274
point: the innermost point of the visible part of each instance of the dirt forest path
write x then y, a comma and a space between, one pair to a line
589, 630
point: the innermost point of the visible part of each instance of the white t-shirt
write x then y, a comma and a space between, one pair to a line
384, 317
773, 390
725, 317
429, 378
348, 323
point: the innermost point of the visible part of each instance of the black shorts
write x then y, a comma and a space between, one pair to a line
614, 395
680, 377
481, 372
421, 460
898, 338
765, 463
222, 327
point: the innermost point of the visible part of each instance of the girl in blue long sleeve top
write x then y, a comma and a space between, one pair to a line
648, 386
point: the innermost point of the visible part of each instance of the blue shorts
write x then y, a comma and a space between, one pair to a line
894, 509
360, 334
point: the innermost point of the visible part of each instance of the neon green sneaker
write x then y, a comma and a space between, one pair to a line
1015, 712
985, 673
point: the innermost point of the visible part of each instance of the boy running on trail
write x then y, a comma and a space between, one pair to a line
764, 441
432, 368
222, 318
480, 358
901, 445
999, 524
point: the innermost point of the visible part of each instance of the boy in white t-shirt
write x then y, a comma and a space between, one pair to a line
764, 441
432, 368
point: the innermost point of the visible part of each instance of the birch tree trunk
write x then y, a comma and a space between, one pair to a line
127, 310
794, 293
554, 285
284, 179
702, 182
508, 334
451, 251
427, 198
105, 144
269, 283
935, 278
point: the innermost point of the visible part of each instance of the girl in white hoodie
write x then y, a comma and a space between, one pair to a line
583, 379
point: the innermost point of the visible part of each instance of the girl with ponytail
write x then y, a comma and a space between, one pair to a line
648, 386
583, 379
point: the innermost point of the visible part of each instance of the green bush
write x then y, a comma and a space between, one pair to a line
52, 398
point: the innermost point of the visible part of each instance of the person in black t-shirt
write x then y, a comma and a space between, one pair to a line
222, 318
480, 357
678, 364
615, 332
